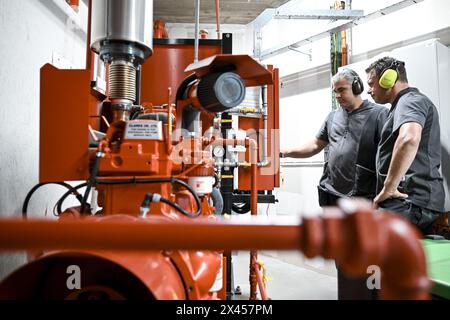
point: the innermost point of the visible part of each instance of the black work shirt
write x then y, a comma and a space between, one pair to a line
423, 181
352, 145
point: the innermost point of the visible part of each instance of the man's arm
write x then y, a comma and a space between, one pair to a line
405, 150
307, 150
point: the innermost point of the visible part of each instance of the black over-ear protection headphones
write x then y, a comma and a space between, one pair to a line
389, 76
357, 84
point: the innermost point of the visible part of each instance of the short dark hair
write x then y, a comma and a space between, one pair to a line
389, 63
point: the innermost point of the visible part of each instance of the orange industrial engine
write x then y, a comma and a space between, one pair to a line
165, 147
146, 136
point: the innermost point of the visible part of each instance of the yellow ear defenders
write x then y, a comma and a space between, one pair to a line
389, 76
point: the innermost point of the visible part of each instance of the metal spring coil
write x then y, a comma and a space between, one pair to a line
122, 81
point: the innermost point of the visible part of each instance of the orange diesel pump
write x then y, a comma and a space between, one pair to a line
155, 160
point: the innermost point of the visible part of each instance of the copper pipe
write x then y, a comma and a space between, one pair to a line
259, 278
252, 275
218, 19
254, 211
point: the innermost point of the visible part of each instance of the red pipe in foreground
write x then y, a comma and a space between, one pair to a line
151, 234
355, 237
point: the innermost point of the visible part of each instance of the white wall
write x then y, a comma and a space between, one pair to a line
418, 19
294, 61
187, 31
301, 115
33, 33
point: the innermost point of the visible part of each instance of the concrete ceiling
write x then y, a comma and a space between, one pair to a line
231, 11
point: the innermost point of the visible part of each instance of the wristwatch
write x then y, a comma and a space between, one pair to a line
281, 154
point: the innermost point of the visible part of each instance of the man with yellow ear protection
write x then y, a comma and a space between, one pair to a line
409, 153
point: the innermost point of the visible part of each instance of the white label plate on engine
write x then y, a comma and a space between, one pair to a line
144, 130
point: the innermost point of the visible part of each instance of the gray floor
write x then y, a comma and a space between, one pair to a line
292, 276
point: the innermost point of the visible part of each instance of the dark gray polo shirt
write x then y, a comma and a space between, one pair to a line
422, 181
352, 144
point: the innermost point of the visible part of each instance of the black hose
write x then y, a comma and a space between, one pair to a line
191, 117
189, 114
68, 193
91, 181
72, 190
217, 200
135, 114
216, 181
180, 209
149, 197
161, 180
241, 208
183, 86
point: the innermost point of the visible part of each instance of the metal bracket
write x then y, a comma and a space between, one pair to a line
296, 50
323, 15
341, 27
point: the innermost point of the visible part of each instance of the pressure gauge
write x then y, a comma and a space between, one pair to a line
219, 151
